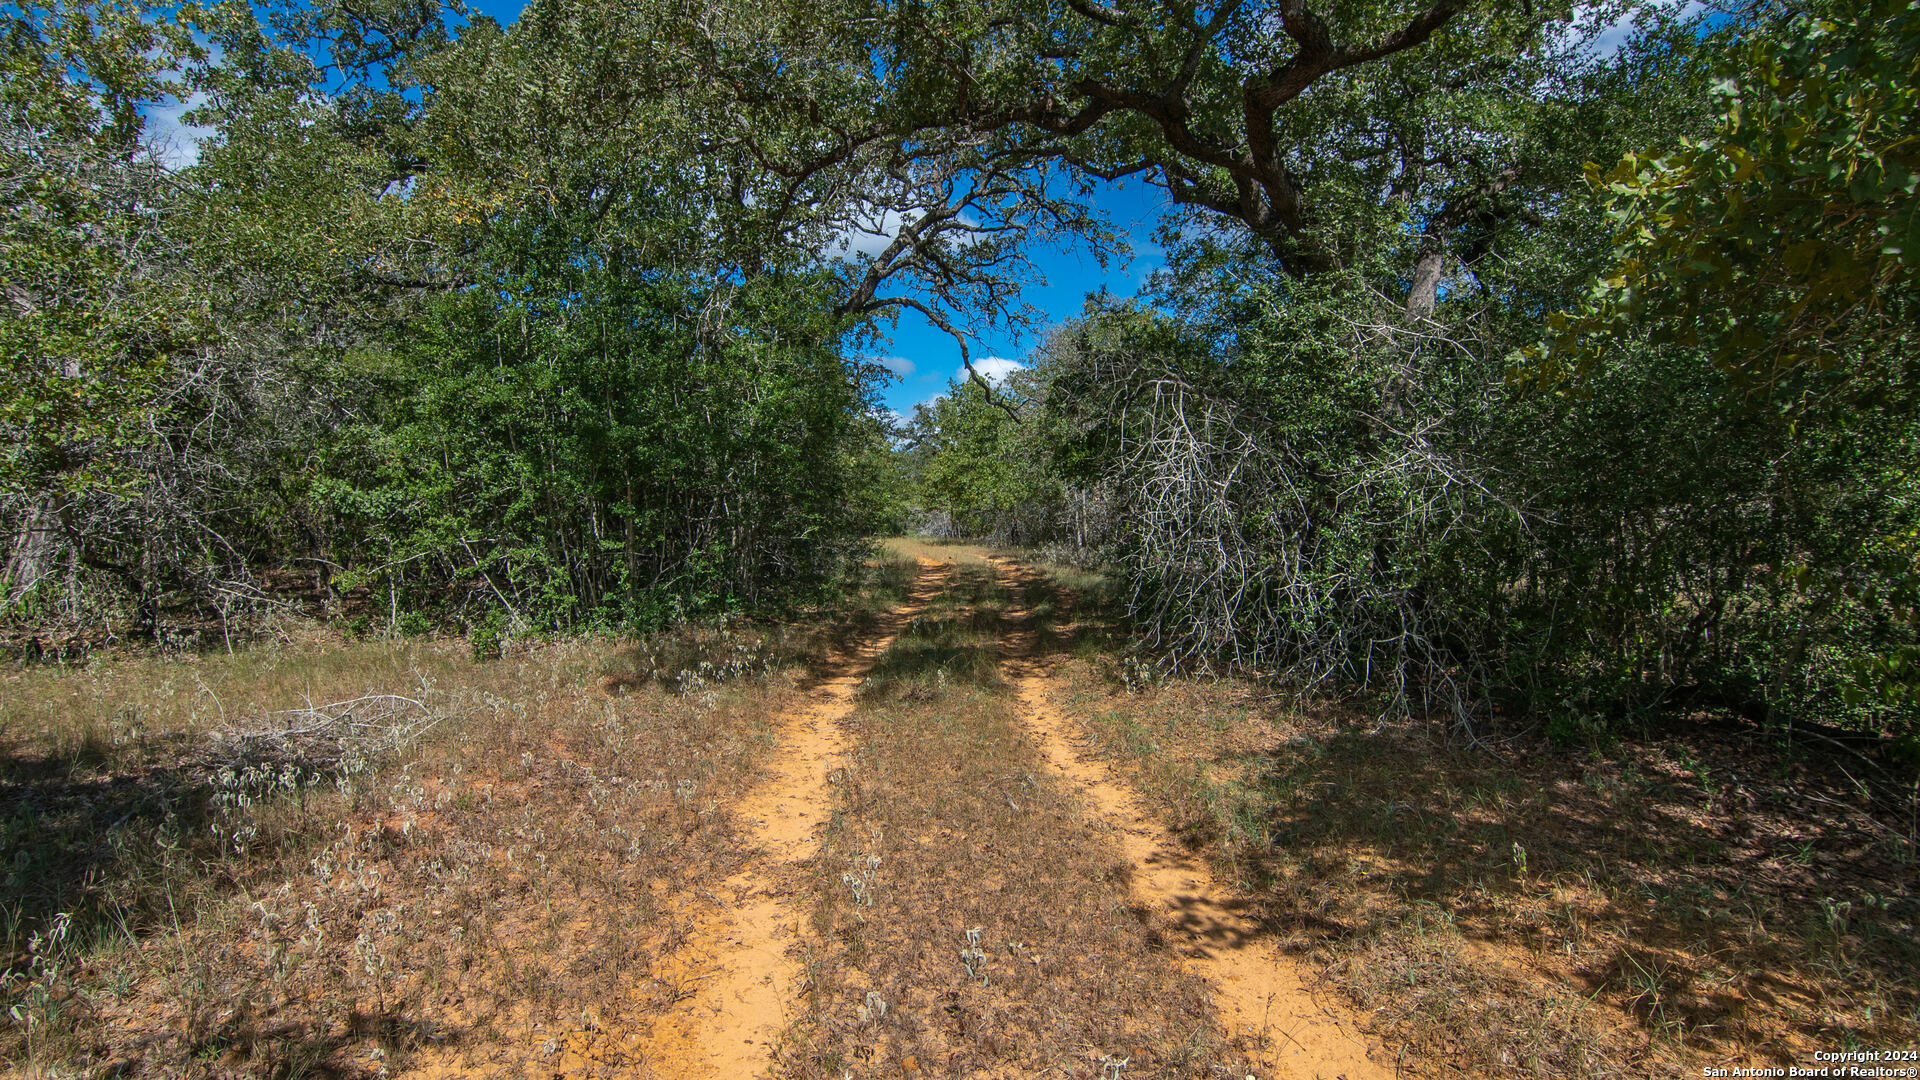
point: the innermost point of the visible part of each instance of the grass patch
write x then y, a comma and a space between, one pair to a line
492, 895
968, 922
954, 641
915, 548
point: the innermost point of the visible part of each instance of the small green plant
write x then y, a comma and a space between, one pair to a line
1649, 984
37, 1005
1138, 675
487, 638
1573, 728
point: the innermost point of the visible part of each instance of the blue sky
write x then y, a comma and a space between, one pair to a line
925, 359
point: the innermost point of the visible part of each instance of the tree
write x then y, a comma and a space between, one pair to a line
1781, 249
391, 216
1320, 133
977, 462
97, 301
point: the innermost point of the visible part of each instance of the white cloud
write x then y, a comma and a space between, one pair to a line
995, 369
172, 140
870, 235
164, 133
1613, 37
874, 230
1623, 26
899, 365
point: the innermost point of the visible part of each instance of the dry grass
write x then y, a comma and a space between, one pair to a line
109, 709
498, 893
957, 552
1706, 898
490, 898
494, 895
967, 919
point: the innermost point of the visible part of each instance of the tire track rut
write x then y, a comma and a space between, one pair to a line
735, 974
1263, 997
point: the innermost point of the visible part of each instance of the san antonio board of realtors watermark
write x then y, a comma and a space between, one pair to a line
1834, 1063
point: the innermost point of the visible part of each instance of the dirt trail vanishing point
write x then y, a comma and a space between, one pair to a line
1261, 994
735, 969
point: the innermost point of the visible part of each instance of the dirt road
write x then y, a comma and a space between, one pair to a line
1264, 1000
741, 973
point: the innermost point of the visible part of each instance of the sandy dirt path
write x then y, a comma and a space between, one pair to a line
1262, 995
735, 972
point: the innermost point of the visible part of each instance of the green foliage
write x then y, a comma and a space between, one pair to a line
1758, 317
597, 456
1687, 527
466, 327
1786, 243
1886, 581
973, 462
96, 306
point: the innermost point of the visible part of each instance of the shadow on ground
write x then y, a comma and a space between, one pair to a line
85, 845
1721, 889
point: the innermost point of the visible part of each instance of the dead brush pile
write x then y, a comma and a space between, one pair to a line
292, 751
454, 865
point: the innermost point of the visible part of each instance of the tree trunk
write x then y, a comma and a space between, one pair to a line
31, 555
1426, 284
